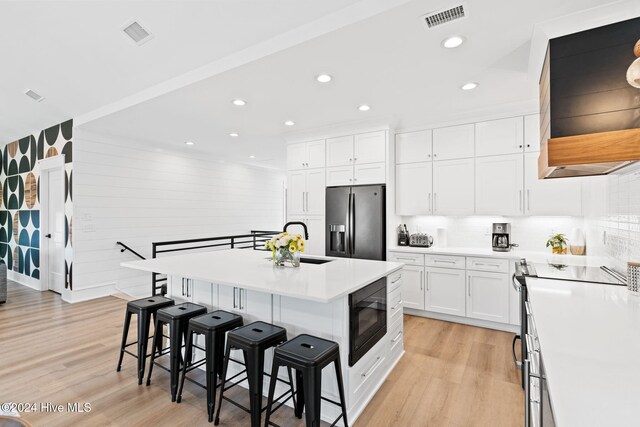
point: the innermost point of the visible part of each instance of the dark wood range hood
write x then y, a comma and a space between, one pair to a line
589, 113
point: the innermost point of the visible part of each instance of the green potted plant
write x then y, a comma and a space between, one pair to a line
558, 243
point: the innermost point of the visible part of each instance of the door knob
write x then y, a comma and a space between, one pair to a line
48, 236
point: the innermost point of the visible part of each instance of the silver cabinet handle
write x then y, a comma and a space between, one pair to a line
351, 160
372, 368
427, 280
307, 201
396, 281
240, 304
397, 337
444, 261
421, 280
435, 200
406, 258
469, 285
188, 286
397, 305
529, 200
520, 203
487, 265
183, 286
234, 297
429, 197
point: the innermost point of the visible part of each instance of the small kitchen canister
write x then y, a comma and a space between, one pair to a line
633, 277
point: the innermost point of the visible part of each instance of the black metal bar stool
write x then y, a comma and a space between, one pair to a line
308, 355
253, 339
144, 308
177, 317
213, 326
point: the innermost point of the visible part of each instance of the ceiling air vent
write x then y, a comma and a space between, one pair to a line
440, 17
136, 32
33, 95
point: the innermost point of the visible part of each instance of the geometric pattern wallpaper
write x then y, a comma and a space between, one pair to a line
20, 198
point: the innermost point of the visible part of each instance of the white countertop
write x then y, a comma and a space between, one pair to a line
590, 343
531, 256
254, 270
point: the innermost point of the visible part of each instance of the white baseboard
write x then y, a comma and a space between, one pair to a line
464, 320
27, 281
85, 294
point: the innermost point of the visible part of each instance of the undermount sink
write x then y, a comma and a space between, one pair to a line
305, 260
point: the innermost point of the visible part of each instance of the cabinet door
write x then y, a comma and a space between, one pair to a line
561, 196
499, 185
254, 305
342, 175
369, 147
503, 136
177, 289
413, 287
455, 142
414, 188
488, 296
201, 293
445, 291
315, 154
296, 156
228, 298
372, 173
315, 192
296, 189
453, 187
340, 151
414, 147
532, 133
315, 227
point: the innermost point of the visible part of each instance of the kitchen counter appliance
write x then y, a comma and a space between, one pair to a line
421, 240
538, 409
501, 237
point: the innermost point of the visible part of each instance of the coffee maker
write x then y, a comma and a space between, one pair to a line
500, 237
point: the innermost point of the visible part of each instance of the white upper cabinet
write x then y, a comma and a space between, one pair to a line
340, 151
369, 147
503, 136
499, 185
306, 155
532, 133
341, 175
370, 173
315, 227
414, 147
453, 187
306, 192
413, 189
560, 196
455, 142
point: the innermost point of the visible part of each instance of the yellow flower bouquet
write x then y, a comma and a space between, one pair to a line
286, 247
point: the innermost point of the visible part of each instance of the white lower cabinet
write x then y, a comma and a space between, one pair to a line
488, 296
188, 290
445, 291
413, 287
250, 304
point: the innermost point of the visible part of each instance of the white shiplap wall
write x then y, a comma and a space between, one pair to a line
132, 192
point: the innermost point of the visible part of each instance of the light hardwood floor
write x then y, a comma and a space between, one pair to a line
51, 351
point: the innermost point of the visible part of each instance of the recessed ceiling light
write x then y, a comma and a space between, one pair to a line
190, 143
234, 135
252, 157
469, 86
33, 95
289, 123
239, 102
452, 42
324, 78
364, 107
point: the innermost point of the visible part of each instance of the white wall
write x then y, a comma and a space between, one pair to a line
530, 233
613, 217
132, 192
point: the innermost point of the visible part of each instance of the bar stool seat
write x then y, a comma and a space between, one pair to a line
253, 339
177, 317
308, 355
213, 326
144, 308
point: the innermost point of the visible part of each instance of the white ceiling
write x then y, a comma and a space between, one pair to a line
75, 54
388, 60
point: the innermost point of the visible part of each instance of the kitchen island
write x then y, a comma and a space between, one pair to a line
313, 299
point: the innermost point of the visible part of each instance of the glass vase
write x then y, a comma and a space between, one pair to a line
280, 256
295, 259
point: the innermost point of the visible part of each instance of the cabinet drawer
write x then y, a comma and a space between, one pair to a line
394, 281
446, 261
407, 258
394, 302
395, 335
368, 371
488, 264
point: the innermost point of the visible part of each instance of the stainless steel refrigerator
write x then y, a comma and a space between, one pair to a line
355, 222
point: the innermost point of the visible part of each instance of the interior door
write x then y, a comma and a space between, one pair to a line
54, 241
368, 222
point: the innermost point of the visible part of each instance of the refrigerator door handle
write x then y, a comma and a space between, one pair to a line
352, 233
347, 246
